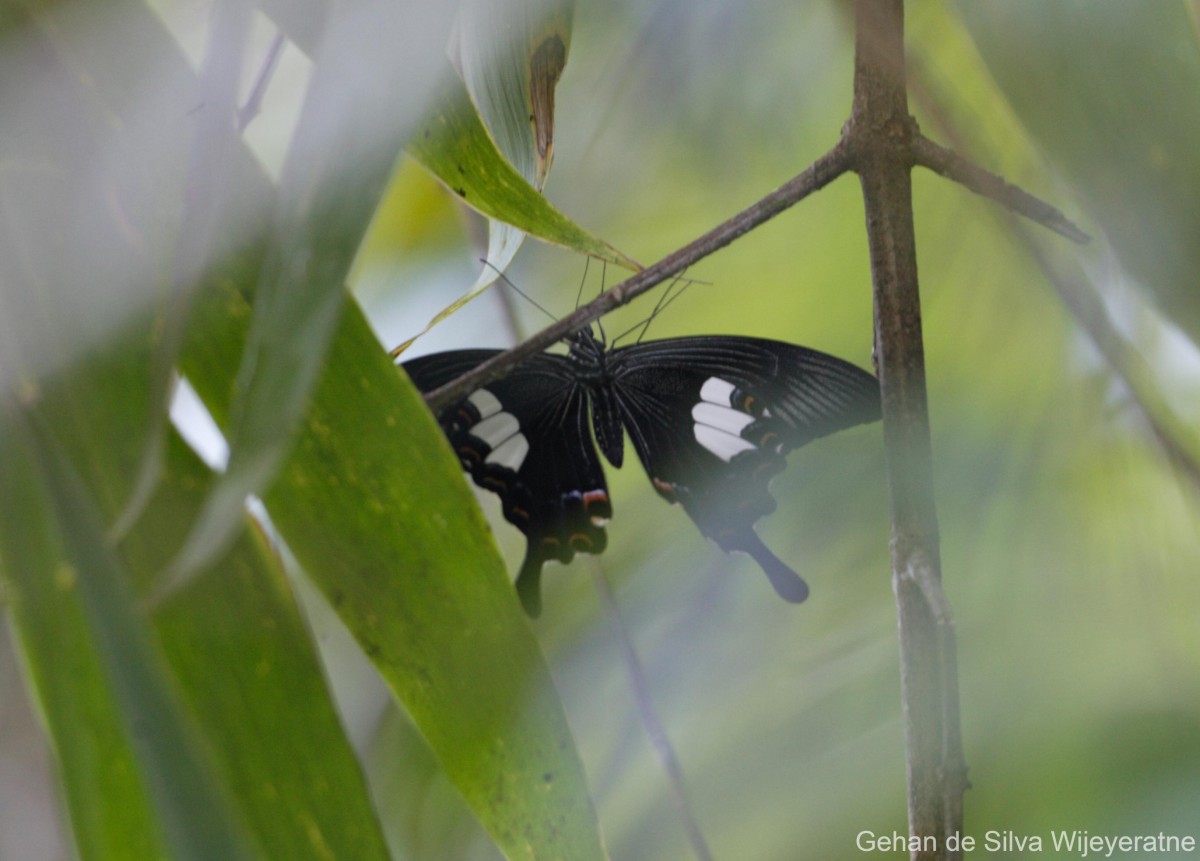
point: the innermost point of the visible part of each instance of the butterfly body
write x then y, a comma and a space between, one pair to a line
711, 419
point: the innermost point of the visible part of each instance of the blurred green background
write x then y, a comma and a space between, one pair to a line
1070, 542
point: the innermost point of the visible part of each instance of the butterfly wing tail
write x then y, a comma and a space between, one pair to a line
788, 584
529, 585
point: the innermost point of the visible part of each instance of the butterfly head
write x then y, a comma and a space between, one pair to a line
587, 350
587, 339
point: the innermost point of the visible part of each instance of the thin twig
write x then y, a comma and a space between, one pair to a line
253, 103
819, 174
954, 167
659, 740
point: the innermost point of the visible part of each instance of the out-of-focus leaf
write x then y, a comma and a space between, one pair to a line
69, 553
372, 70
86, 199
111, 814
211, 168
511, 54
1109, 91
375, 508
247, 671
302, 20
240, 653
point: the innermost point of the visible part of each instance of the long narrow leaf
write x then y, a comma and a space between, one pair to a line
247, 671
510, 54
364, 98
196, 819
375, 507
111, 811
456, 147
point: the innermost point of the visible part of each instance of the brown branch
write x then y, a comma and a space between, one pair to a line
954, 167
818, 175
881, 137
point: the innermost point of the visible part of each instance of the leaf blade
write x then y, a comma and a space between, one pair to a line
376, 510
195, 818
454, 145
349, 135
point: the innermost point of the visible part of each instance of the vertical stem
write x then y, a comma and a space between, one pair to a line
880, 134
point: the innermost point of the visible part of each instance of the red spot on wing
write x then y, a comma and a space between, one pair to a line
667, 488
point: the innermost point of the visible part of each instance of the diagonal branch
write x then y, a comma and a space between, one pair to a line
954, 167
816, 176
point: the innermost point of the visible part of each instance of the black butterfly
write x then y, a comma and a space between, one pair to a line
711, 418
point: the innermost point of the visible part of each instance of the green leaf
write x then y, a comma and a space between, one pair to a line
248, 673
246, 668
1108, 90
111, 812
454, 146
194, 817
376, 509
240, 655
350, 132
511, 54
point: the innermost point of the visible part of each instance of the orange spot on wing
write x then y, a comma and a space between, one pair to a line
581, 542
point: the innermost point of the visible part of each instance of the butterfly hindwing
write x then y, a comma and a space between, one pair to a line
712, 419
525, 437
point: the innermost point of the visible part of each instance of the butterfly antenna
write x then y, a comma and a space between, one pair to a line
587, 262
518, 290
663, 301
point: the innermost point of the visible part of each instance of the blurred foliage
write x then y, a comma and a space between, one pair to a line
1131, 158
1070, 544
